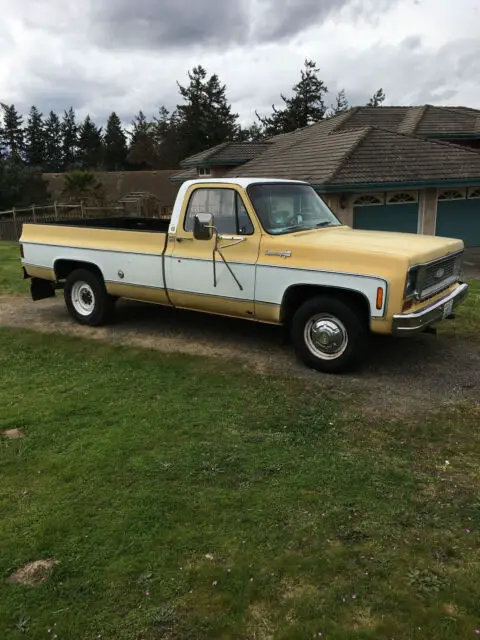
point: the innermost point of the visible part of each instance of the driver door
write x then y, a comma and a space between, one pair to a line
191, 279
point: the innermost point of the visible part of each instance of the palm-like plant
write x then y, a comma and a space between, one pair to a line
83, 186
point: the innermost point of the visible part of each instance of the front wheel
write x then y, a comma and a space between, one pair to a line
87, 299
328, 335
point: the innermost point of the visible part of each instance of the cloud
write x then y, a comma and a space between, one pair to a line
126, 55
167, 24
282, 19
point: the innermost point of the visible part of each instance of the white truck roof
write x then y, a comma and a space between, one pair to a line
241, 182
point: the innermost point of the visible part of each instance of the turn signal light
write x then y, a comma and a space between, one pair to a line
379, 298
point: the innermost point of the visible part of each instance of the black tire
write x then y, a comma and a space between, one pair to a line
345, 335
87, 299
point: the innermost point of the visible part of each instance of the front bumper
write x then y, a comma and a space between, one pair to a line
411, 323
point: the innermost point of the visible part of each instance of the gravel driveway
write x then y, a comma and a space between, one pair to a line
400, 376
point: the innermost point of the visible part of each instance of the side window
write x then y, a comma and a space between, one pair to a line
227, 208
245, 226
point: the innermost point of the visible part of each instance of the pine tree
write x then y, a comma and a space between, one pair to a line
142, 153
53, 143
303, 108
253, 133
341, 104
35, 139
20, 186
12, 132
377, 99
205, 119
69, 139
165, 135
115, 142
90, 145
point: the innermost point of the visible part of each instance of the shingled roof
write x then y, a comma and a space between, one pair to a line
389, 157
325, 154
227, 153
425, 121
362, 145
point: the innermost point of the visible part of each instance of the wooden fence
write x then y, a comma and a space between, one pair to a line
11, 222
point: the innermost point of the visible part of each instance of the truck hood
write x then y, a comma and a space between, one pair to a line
411, 247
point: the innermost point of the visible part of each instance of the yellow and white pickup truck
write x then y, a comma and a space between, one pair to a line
260, 249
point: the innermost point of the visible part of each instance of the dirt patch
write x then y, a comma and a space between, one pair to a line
33, 573
13, 434
400, 376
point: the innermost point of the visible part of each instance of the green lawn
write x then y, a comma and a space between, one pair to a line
11, 276
467, 324
186, 500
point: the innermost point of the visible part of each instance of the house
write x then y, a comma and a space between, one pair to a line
410, 169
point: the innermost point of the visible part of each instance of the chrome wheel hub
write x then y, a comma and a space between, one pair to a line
83, 298
326, 336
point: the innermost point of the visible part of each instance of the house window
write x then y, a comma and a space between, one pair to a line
474, 192
452, 194
369, 199
402, 197
204, 171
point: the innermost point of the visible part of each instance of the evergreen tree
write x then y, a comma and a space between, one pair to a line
253, 133
69, 131
303, 108
90, 145
165, 135
142, 153
115, 142
205, 119
35, 139
12, 132
341, 104
20, 186
377, 99
53, 143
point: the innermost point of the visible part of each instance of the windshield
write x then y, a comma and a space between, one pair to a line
285, 208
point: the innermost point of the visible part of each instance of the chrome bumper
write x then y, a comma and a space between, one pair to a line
410, 323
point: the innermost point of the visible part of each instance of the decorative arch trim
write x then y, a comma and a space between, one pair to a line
452, 194
402, 197
369, 199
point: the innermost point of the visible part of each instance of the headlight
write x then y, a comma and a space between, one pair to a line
411, 285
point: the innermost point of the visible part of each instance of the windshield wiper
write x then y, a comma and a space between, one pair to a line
296, 227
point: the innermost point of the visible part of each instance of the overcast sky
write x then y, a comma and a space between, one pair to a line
126, 55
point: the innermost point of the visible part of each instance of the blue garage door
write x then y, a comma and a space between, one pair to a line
460, 218
395, 212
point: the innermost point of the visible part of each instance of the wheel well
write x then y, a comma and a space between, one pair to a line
295, 296
63, 268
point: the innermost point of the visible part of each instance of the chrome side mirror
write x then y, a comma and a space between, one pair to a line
203, 226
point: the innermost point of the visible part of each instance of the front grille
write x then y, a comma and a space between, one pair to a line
439, 275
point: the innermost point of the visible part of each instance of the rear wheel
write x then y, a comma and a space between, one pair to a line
328, 335
87, 299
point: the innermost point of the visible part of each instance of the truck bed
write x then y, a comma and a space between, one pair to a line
125, 223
